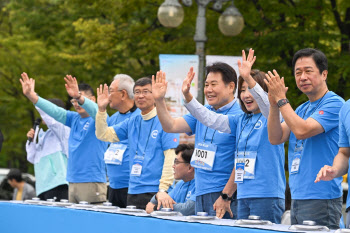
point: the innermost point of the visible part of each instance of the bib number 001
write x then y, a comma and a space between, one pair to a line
201, 154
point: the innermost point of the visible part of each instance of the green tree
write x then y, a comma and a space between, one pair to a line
95, 39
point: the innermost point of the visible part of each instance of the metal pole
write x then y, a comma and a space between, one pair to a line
200, 39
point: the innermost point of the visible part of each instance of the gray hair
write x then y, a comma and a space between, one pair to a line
125, 83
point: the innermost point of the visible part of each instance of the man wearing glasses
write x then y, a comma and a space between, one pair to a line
116, 157
183, 194
151, 150
86, 171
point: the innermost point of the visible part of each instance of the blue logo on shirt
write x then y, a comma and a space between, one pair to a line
258, 125
86, 126
154, 133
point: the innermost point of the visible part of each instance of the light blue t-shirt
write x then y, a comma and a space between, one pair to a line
184, 191
146, 138
317, 151
119, 174
252, 136
344, 134
86, 152
215, 180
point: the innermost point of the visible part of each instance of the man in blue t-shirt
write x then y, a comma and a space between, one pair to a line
312, 131
341, 161
214, 191
86, 170
151, 150
183, 194
121, 98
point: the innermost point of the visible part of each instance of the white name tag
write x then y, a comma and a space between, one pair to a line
203, 156
136, 168
115, 154
296, 160
239, 170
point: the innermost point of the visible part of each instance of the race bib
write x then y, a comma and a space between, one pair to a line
115, 154
249, 158
203, 156
136, 168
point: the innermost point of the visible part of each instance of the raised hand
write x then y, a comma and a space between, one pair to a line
186, 85
326, 173
276, 86
72, 86
102, 97
159, 86
28, 87
245, 66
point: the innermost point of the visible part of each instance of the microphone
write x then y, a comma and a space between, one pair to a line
36, 123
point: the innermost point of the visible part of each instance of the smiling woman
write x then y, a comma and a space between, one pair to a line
248, 103
260, 184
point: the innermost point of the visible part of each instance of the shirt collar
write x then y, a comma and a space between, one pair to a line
150, 115
225, 107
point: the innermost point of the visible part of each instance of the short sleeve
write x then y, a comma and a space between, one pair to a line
233, 121
69, 118
328, 113
192, 122
343, 124
170, 140
121, 129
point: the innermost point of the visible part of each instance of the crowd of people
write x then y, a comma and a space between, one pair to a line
236, 166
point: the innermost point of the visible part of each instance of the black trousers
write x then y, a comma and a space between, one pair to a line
57, 193
118, 197
140, 200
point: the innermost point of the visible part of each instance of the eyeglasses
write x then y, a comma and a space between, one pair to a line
110, 91
144, 92
177, 162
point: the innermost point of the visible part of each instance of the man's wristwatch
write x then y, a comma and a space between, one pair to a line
225, 197
162, 191
282, 102
78, 97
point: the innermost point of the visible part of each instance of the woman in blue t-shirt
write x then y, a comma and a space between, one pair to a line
259, 166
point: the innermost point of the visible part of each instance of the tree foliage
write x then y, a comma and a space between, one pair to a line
95, 39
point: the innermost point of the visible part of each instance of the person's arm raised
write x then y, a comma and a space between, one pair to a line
301, 128
169, 124
28, 86
201, 113
103, 132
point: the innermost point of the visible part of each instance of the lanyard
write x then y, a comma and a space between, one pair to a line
188, 186
149, 134
205, 135
302, 143
246, 143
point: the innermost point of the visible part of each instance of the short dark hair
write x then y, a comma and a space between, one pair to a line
227, 72
143, 82
259, 77
16, 174
58, 102
318, 56
86, 88
187, 151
